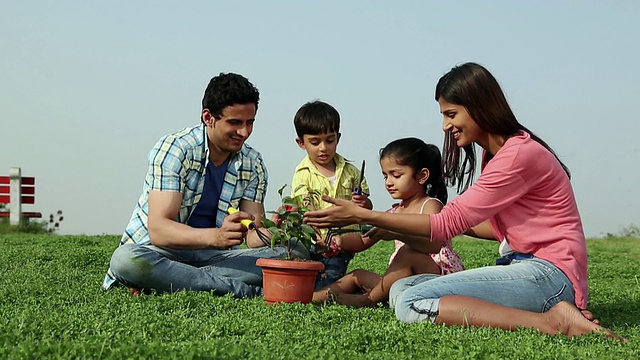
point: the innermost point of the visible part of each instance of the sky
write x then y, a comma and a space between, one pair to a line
88, 87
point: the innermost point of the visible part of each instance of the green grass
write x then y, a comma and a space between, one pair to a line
52, 306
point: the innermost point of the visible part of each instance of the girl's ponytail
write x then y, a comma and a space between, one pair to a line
438, 189
437, 186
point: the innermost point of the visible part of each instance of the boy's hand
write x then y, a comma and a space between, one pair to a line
362, 201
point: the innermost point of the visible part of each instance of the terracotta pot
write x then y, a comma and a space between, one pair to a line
288, 281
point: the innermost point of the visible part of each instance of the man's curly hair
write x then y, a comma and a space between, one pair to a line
227, 90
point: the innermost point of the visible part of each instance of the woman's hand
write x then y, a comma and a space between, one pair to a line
344, 213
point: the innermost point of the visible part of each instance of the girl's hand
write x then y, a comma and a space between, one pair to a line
331, 248
344, 213
377, 233
334, 247
321, 240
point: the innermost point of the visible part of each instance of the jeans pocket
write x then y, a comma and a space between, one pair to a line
554, 299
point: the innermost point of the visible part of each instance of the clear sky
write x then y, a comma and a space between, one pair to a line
87, 87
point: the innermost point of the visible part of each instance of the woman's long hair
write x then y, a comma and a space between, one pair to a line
472, 86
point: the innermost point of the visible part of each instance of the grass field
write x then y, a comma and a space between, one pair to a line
52, 306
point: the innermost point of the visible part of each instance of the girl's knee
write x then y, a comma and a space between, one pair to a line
359, 273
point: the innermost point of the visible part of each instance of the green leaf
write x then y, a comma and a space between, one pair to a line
281, 190
294, 216
308, 230
291, 202
275, 239
287, 199
268, 223
274, 230
306, 242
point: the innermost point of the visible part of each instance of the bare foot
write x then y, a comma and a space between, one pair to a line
135, 291
589, 316
322, 295
355, 300
569, 320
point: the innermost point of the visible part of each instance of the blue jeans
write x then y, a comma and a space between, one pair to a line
334, 268
168, 270
529, 284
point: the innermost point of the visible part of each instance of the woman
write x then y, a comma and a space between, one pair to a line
523, 197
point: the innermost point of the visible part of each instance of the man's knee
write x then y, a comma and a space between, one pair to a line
126, 262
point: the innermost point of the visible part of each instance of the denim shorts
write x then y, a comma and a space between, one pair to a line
526, 283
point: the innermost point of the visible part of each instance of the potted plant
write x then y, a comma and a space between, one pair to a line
290, 279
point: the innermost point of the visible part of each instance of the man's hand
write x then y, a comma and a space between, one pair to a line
232, 232
276, 217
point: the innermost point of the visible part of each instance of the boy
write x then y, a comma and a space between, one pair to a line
318, 128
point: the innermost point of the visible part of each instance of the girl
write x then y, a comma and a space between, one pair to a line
523, 195
413, 174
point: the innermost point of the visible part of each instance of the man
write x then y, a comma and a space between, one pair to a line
180, 236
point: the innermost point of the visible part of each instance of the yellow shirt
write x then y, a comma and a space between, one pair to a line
345, 179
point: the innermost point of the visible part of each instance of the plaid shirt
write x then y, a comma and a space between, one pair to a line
177, 163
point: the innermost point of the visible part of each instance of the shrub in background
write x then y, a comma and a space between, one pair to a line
32, 227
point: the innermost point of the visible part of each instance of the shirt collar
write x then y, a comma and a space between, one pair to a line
205, 146
307, 164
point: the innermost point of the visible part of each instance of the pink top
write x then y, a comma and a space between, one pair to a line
447, 259
528, 198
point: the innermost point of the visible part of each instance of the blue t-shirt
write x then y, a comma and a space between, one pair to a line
204, 215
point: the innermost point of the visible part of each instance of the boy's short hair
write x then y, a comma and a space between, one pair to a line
316, 117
